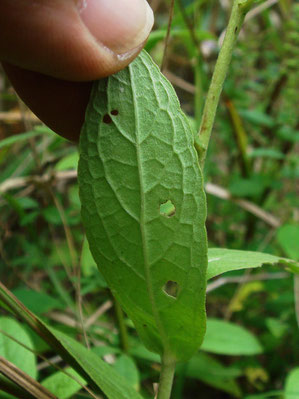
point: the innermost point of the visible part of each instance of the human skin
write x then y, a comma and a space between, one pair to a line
52, 50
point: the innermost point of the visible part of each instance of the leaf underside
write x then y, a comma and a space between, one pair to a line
136, 155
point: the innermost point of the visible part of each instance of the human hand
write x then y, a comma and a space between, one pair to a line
51, 50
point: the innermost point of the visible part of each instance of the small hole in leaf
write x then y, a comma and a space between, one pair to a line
167, 209
171, 288
114, 112
107, 119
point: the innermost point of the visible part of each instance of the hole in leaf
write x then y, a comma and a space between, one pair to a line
114, 112
167, 209
171, 288
107, 119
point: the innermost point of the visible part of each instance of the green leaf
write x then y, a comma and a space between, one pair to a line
12, 351
292, 384
138, 350
276, 326
137, 153
225, 338
257, 117
288, 238
126, 367
225, 260
18, 138
52, 215
68, 162
158, 35
204, 368
37, 302
90, 366
252, 187
87, 263
111, 383
266, 395
266, 153
62, 385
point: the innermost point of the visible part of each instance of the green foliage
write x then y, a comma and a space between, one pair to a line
288, 238
226, 338
292, 384
212, 372
136, 153
12, 351
111, 383
62, 385
253, 155
223, 260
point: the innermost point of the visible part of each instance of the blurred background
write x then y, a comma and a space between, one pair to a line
251, 176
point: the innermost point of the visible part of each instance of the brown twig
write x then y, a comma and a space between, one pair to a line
245, 279
164, 60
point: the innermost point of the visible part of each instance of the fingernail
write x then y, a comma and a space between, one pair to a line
120, 25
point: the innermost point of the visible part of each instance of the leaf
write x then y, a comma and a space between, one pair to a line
37, 302
276, 327
267, 153
63, 386
292, 384
266, 395
18, 138
225, 260
14, 352
288, 238
137, 153
68, 162
90, 366
87, 263
126, 367
111, 383
257, 117
252, 187
204, 368
158, 35
138, 350
225, 338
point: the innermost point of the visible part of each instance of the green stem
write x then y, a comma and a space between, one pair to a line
198, 91
123, 332
240, 7
296, 294
166, 377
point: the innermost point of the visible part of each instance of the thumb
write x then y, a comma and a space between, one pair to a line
73, 39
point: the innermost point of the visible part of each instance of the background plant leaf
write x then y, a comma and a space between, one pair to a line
62, 385
210, 371
90, 366
223, 260
12, 351
225, 338
292, 384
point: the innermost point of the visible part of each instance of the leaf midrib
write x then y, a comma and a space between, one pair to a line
142, 220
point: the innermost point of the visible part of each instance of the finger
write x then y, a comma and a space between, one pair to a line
60, 104
73, 39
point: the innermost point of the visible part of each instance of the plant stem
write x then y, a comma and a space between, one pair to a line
166, 377
296, 294
123, 332
221, 68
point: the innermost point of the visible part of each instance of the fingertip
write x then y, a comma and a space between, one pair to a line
59, 39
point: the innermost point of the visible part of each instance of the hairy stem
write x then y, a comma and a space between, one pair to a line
221, 68
166, 377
